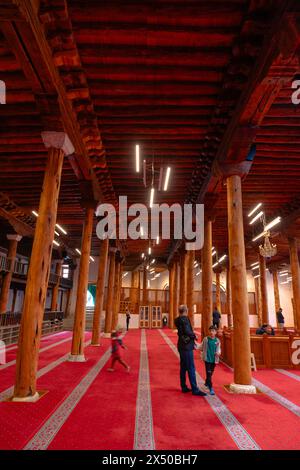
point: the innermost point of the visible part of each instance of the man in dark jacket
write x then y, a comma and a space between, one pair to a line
265, 329
185, 345
216, 318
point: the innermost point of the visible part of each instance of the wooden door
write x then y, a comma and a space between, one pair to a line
144, 316
156, 321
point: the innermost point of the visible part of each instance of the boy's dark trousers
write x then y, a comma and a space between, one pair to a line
209, 367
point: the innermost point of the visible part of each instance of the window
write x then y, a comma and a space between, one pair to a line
65, 271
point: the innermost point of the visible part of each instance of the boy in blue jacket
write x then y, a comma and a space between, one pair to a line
211, 351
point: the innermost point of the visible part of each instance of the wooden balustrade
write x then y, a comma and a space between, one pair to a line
270, 351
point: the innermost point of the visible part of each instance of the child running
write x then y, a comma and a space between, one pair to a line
116, 345
211, 351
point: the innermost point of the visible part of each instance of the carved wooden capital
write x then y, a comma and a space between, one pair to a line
224, 170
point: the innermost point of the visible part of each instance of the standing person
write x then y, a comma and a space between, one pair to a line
280, 319
216, 318
186, 345
116, 356
211, 351
127, 319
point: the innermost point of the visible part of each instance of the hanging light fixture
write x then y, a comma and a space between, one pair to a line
268, 249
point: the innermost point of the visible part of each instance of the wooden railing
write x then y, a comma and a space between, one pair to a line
8, 319
4, 263
270, 351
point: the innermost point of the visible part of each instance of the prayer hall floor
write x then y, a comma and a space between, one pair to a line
89, 408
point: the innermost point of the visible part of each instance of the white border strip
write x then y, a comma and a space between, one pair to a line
143, 434
234, 428
289, 405
9, 391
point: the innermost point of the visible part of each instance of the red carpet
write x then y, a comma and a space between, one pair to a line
107, 412
19, 421
265, 420
181, 421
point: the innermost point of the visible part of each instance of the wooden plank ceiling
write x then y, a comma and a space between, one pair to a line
168, 75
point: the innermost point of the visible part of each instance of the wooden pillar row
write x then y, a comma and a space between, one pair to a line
77, 350
218, 291
100, 292
39, 269
13, 240
145, 287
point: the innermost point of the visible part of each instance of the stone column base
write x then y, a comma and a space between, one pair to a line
246, 389
30, 399
76, 358
97, 344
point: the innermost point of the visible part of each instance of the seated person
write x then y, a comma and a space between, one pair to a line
265, 329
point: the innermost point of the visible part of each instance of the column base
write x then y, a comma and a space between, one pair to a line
76, 358
106, 335
96, 344
245, 389
30, 399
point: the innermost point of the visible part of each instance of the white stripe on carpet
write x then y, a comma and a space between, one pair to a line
143, 434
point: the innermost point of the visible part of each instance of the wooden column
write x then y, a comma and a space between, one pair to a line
77, 350
190, 285
13, 240
176, 293
295, 270
145, 287
171, 293
56, 287
110, 292
103, 256
228, 298
239, 293
263, 289
207, 304
39, 269
276, 292
183, 278
258, 300
114, 323
134, 292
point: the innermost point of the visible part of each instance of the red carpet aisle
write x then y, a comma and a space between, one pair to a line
180, 421
87, 407
106, 413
